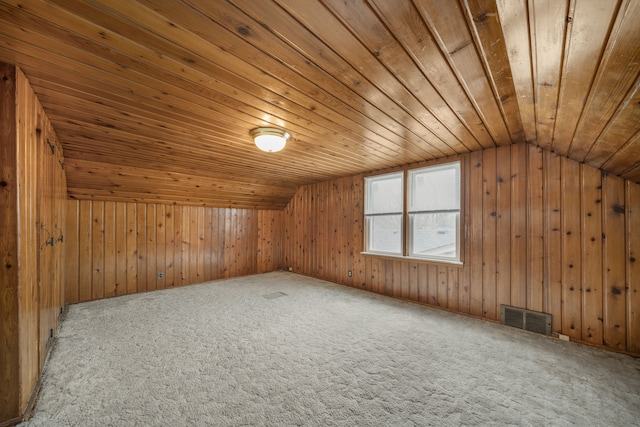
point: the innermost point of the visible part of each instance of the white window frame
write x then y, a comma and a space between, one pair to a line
368, 222
408, 217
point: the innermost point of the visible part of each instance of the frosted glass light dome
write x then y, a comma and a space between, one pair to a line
270, 140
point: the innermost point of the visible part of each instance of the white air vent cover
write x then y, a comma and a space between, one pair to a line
525, 319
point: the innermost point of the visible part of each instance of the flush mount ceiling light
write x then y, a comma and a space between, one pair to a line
270, 139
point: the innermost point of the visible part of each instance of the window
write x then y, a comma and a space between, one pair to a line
431, 215
384, 209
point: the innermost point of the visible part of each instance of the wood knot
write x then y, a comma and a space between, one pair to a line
244, 30
3, 183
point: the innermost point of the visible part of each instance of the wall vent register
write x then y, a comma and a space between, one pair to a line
521, 318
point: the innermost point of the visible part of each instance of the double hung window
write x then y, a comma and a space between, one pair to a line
415, 213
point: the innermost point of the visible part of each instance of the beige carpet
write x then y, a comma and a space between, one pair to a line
283, 349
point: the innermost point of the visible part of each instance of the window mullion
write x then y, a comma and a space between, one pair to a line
435, 211
405, 216
383, 214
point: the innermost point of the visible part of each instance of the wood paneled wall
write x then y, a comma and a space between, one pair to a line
541, 232
116, 248
33, 209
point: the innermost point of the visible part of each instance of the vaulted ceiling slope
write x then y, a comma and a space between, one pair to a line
153, 100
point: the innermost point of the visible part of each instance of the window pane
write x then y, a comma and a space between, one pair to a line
434, 234
384, 194
385, 233
434, 188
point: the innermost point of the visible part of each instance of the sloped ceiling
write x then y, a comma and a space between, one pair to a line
153, 100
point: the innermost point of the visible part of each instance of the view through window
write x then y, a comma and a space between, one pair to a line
431, 214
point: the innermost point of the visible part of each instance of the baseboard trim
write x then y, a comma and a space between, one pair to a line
11, 422
28, 409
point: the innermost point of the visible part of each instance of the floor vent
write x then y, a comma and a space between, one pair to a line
525, 319
274, 295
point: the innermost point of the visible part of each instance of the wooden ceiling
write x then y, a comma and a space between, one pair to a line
153, 100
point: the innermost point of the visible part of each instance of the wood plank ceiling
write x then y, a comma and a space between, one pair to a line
153, 100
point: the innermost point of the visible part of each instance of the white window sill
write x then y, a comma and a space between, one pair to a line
455, 263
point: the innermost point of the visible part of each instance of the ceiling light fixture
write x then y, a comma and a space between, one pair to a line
270, 139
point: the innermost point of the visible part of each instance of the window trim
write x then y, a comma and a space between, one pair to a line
403, 176
406, 220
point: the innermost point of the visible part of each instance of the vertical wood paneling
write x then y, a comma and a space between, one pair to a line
10, 376
528, 214
464, 276
423, 283
169, 276
97, 250
71, 291
615, 289
228, 242
413, 275
141, 245
535, 223
432, 284
201, 230
151, 260
44, 257
123, 246
518, 282
553, 237
591, 254
177, 249
50, 212
33, 220
132, 249
219, 236
489, 235
503, 227
571, 251
475, 233
206, 242
270, 235
633, 266
110, 258
85, 255
185, 250
453, 288
161, 228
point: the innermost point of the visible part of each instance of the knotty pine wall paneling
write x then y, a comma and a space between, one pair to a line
10, 376
42, 214
33, 212
119, 248
632, 254
541, 232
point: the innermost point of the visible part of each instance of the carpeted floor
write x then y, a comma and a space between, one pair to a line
283, 349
